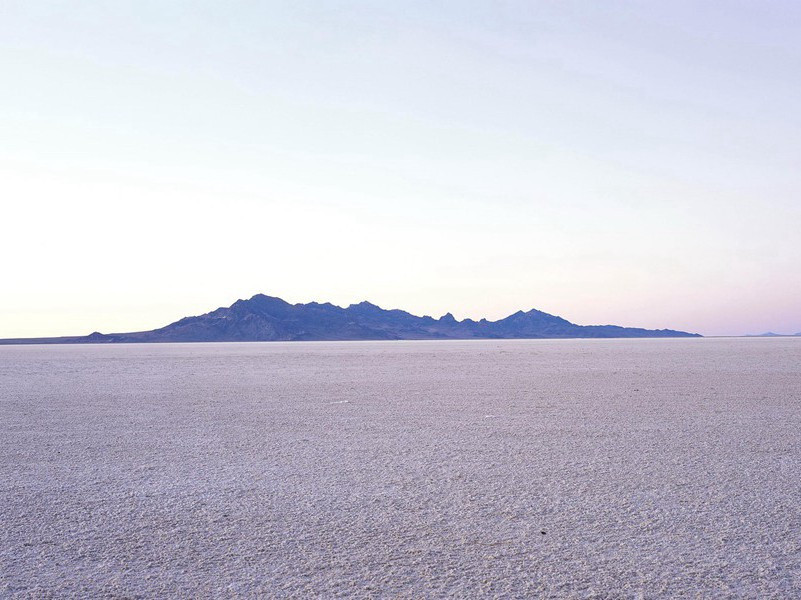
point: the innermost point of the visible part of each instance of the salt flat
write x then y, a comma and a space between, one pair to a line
571, 468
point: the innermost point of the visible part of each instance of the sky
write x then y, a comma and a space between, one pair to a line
634, 163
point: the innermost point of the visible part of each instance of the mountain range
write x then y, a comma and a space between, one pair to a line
266, 318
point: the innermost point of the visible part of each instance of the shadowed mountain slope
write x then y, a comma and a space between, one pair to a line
265, 318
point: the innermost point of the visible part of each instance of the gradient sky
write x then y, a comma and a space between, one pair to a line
634, 163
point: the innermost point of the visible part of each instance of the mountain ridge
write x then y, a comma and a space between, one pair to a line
269, 318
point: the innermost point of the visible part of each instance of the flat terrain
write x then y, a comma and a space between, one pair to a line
573, 468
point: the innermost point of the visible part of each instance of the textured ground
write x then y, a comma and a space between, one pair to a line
653, 468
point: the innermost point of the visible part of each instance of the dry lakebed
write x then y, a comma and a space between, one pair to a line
653, 468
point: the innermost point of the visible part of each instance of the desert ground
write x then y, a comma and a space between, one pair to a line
566, 469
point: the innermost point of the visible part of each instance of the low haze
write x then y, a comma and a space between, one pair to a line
635, 164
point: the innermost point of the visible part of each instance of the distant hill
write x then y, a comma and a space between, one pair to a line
265, 318
771, 334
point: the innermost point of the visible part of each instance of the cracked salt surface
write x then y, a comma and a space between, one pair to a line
657, 468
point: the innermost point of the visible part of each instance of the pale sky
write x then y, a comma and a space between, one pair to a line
633, 163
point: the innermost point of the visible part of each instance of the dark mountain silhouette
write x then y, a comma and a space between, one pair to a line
265, 318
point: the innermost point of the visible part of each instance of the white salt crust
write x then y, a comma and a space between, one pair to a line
567, 469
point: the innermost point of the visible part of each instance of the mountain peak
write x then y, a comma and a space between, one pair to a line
265, 297
365, 307
364, 304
